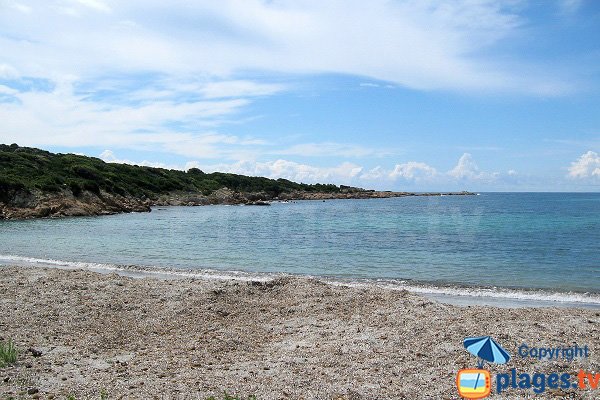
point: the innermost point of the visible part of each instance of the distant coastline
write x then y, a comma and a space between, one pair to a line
38, 184
64, 204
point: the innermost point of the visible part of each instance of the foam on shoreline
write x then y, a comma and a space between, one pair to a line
452, 294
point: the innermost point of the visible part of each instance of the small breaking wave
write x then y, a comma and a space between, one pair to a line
492, 293
467, 292
138, 270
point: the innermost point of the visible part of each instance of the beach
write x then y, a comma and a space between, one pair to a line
297, 338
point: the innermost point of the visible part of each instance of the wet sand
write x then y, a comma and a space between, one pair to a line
289, 338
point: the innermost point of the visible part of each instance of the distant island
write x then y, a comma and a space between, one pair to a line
36, 183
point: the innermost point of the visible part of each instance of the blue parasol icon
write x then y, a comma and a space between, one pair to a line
487, 349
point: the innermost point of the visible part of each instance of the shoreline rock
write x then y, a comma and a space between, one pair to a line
28, 205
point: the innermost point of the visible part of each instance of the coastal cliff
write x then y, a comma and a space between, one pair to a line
35, 184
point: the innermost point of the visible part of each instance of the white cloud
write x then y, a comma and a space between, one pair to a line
409, 171
588, 165
413, 171
15, 5
417, 44
62, 117
466, 168
94, 4
375, 174
350, 173
239, 88
342, 173
175, 78
376, 85
8, 71
110, 157
8, 91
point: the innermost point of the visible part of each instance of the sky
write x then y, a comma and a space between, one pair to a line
484, 95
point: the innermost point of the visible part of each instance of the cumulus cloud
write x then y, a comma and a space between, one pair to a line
298, 172
375, 174
467, 169
342, 173
587, 165
110, 157
413, 170
409, 171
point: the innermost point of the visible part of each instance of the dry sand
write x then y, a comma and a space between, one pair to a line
290, 338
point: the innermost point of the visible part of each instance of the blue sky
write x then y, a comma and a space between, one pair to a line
400, 95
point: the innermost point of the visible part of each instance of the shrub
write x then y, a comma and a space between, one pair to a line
92, 187
24, 168
75, 188
8, 353
195, 171
85, 173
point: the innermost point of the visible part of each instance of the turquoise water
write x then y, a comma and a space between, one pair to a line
517, 240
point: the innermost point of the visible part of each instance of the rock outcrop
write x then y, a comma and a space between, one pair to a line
37, 204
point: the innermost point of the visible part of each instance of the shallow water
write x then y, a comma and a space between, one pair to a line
544, 241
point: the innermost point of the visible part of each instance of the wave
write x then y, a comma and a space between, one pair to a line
139, 270
497, 293
473, 292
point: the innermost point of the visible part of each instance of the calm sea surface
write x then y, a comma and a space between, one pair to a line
517, 240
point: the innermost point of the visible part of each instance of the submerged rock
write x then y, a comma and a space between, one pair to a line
258, 203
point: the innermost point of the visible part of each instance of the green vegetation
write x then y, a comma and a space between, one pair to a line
8, 353
27, 169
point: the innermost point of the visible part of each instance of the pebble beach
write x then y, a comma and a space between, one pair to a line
90, 336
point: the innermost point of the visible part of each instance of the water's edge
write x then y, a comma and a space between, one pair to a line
449, 294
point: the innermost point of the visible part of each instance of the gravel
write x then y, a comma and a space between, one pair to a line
84, 333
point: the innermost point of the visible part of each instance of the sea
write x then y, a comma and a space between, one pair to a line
492, 248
